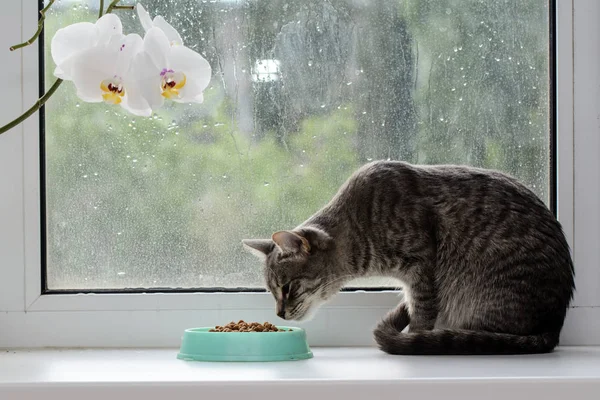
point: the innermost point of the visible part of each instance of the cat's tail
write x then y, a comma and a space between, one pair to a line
461, 342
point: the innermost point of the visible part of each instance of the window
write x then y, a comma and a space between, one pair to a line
30, 316
302, 94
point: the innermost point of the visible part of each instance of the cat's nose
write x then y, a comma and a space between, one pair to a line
281, 313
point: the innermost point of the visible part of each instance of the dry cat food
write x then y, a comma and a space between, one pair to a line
242, 326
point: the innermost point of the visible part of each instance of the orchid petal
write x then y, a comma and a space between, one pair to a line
171, 33
108, 25
69, 41
135, 103
121, 60
144, 80
144, 17
75, 38
156, 45
196, 69
125, 47
159, 22
90, 68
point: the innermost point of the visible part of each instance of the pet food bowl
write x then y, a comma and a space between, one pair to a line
198, 344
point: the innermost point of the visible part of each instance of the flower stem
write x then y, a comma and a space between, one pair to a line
38, 104
39, 29
112, 5
101, 9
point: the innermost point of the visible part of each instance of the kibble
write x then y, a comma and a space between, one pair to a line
243, 326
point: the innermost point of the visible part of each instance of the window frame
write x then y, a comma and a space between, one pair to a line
29, 318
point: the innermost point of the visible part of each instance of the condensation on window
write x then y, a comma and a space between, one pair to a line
303, 92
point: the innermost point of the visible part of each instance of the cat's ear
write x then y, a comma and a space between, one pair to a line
290, 242
317, 238
259, 247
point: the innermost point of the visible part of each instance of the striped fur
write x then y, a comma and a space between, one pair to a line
484, 265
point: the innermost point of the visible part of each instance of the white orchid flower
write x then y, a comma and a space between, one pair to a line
100, 74
160, 23
76, 38
163, 71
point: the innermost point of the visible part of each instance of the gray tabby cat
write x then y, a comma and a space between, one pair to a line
483, 264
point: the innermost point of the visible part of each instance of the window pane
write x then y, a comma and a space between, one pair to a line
303, 92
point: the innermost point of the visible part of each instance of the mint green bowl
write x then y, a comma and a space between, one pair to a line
198, 344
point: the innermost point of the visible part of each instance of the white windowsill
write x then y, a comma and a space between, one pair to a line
335, 373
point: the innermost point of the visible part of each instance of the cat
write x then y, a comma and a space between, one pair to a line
484, 265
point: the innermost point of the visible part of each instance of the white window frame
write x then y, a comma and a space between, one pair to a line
30, 319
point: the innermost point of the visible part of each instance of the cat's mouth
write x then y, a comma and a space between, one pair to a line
293, 315
302, 312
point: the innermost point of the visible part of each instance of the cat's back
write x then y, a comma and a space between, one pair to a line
445, 185
461, 204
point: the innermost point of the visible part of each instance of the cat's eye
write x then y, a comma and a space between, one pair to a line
285, 289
